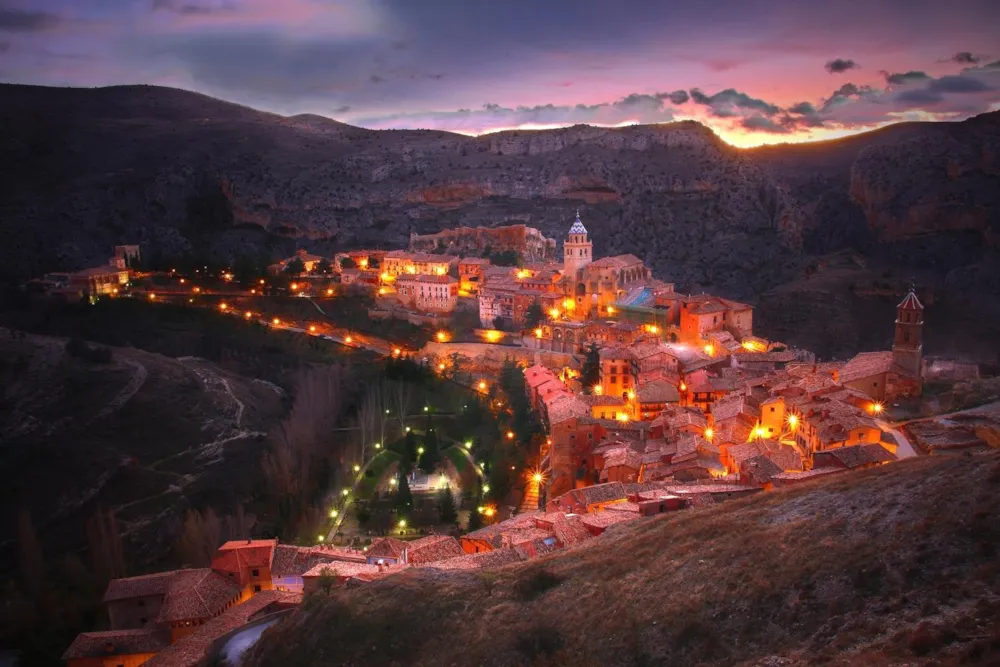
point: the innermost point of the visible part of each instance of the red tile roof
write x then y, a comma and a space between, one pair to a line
386, 547
116, 642
486, 559
195, 594
433, 548
615, 262
865, 365
138, 587
294, 561
599, 521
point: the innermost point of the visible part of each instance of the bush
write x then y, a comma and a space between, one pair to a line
536, 583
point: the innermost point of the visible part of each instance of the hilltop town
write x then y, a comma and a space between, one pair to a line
647, 401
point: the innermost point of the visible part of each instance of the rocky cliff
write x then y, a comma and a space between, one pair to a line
181, 172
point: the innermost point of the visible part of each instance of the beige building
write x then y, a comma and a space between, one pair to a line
400, 263
428, 293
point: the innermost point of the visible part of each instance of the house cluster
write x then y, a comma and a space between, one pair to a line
106, 280
685, 393
172, 619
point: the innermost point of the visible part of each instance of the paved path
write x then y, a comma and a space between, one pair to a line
905, 449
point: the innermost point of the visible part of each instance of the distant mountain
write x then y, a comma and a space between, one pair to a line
182, 172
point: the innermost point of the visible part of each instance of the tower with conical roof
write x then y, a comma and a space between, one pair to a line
907, 345
578, 251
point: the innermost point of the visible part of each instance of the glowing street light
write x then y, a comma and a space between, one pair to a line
442, 336
486, 488
345, 492
510, 435
710, 349
877, 408
223, 306
598, 389
333, 514
426, 409
554, 313
151, 296
378, 445
357, 468
329, 291
396, 352
320, 538
348, 339
247, 315
482, 385
312, 328
537, 478
402, 523
468, 444
420, 451
793, 421
294, 286
393, 482
275, 321
709, 433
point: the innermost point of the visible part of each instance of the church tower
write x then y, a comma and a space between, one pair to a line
907, 346
577, 250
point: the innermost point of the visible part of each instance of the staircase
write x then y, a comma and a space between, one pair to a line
530, 501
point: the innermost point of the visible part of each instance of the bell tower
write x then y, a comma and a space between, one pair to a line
577, 250
907, 345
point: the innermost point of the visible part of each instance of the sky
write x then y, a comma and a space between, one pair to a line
755, 71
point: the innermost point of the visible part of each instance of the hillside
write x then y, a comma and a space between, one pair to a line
184, 173
144, 435
891, 566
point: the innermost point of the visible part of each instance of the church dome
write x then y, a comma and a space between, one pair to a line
577, 227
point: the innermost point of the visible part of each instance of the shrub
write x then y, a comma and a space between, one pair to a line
539, 641
78, 349
536, 583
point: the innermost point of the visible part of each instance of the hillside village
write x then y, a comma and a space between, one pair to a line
651, 400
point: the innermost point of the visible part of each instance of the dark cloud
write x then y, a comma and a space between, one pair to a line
343, 109
840, 65
900, 78
730, 102
761, 123
803, 108
676, 97
965, 58
958, 84
194, 7
19, 20
919, 97
375, 78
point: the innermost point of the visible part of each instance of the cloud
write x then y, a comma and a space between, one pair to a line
676, 97
194, 7
904, 77
19, 20
840, 65
965, 58
958, 84
342, 110
759, 123
803, 108
730, 102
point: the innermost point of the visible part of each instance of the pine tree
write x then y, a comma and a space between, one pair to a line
590, 374
446, 506
404, 498
430, 458
534, 315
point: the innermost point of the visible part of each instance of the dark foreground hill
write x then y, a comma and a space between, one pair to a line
81, 170
892, 566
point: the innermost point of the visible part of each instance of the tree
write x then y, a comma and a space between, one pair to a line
534, 315
323, 267
295, 267
32, 562
475, 519
373, 263
590, 374
409, 452
404, 498
327, 580
348, 263
498, 323
487, 252
105, 545
505, 258
430, 458
446, 506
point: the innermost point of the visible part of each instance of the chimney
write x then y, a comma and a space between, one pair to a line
380, 568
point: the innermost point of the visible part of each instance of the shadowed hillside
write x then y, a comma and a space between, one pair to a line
891, 566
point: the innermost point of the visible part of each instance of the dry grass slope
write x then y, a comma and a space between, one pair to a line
896, 565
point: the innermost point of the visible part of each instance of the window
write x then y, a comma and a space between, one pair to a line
772, 409
256, 588
255, 573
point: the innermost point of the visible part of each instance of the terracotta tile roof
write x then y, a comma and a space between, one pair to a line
615, 352
627, 506
600, 399
864, 365
712, 489
425, 278
777, 357
194, 594
116, 642
658, 391
601, 493
294, 561
615, 262
624, 456
433, 548
137, 587
480, 261
859, 455
731, 407
386, 547
363, 571
565, 407
486, 559
759, 469
191, 650
421, 257
570, 530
